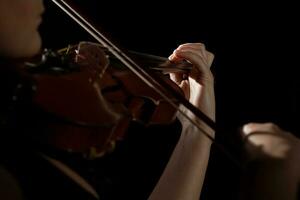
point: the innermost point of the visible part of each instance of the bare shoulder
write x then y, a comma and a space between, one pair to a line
9, 187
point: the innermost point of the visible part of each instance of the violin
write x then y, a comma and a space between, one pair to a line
87, 94
92, 99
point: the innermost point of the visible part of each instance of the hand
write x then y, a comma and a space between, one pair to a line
269, 141
185, 171
198, 85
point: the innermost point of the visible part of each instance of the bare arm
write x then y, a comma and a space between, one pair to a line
183, 177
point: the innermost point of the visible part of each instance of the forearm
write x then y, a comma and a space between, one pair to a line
184, 174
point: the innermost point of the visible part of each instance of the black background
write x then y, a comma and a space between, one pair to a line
256, 49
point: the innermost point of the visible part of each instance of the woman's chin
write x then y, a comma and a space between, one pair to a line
34, 47
28, 49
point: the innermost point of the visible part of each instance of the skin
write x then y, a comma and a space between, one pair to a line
198, 87
19, 21
184, 175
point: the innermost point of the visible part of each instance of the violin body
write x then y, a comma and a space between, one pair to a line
90, 102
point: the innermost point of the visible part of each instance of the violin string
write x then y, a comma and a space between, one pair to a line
146, 77
158, 63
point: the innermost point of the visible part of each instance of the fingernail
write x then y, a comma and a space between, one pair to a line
246, 129
176, 52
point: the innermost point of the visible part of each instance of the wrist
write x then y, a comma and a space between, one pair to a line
202, 135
